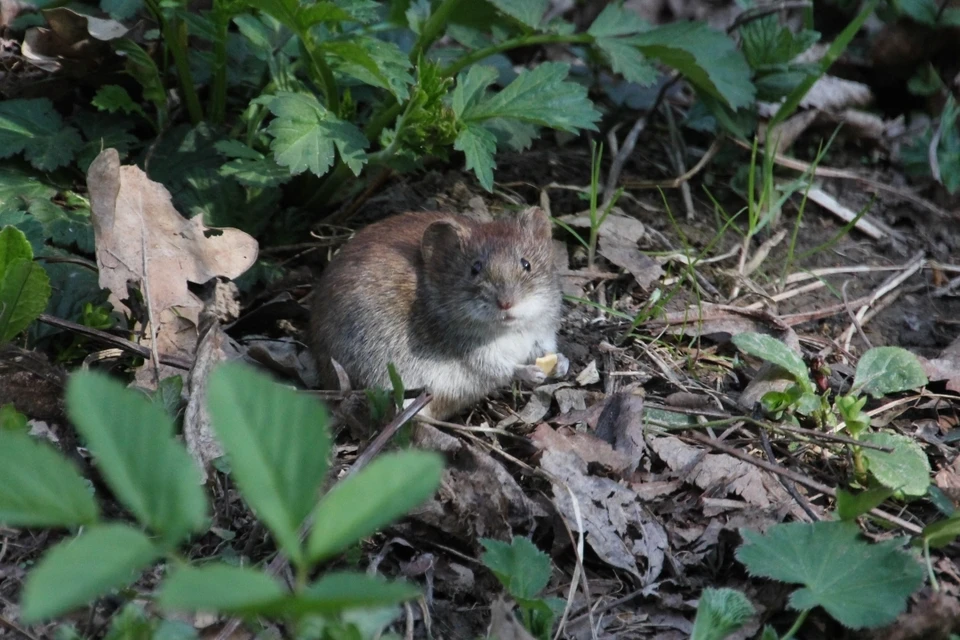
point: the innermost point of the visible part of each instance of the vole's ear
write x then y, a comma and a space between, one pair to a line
442, 236
535, 221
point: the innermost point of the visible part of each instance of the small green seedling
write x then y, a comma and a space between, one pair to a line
524, 571
720, 614
880, 371
24, 285
278, 445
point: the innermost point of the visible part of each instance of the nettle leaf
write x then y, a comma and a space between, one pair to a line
614, 20
39, 487
512, 133
250, 167
766, 42
33, 127
905, 470
885, 370
123, 429
529, 12
75, 572
720, 613
540, 96
373, 61
219, 587
359, 505
278, 443
772, 350
112, 98
520, 566
300, 17
709, 59
305, 134
18, 187
859, 584
65, 227
478, 145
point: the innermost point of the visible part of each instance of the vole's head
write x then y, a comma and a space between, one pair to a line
498, 275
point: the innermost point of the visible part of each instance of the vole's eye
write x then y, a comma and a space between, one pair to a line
476, 268
524, 264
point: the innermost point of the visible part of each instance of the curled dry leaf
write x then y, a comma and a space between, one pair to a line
73, 41
618, 237
142, 240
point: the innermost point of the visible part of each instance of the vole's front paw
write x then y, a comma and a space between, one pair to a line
530, 374
562, 368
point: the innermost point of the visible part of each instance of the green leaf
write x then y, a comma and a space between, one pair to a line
14, 247
529, 12
478, 145
708, 58
124, 429
300, 17
373, 61
219, 587
851, 506
144, 70
75, 572
885, 370
614, 20
278, 444
359, 505
772, 350
112, 98
305, 134
540, 96
940, 533
337, 592
11, 420
906, 470
470, 87
34, 128
250, 167
627, 60
121, 9
65, 227
38, 487
520, 566
720, 613
18, 187
859, 584
766, 42
24, 291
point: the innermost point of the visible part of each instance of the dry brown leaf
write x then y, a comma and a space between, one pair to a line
503, 624
142, 240
586, 446
621, 424
612, 516
72, 42
618, 237
719, 322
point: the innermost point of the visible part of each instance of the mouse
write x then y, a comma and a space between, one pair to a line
459, 306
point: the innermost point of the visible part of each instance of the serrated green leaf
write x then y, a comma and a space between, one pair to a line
337, 592
520, 566
766, 42
144, 70
24, 291
721, 612
112, 98
305, 134
478, 145
772, 350
26, 223
614, 20
358, 506
417, 15
851, 506
859, 584
529, 12
708, 58
627, 60
373, 61
540, 96
65, 227
219, 587
18, 187
250, 167
512, 133
906, 470
34, 128
40, 488
122, 429
470, 87
884, 370
75, 572
278, 444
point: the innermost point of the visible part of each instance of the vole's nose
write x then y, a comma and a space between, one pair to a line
504, 303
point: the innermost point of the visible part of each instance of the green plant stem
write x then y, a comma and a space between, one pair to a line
506, 45
175, 39
322, 73
926, 557
796, 625
433, 28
